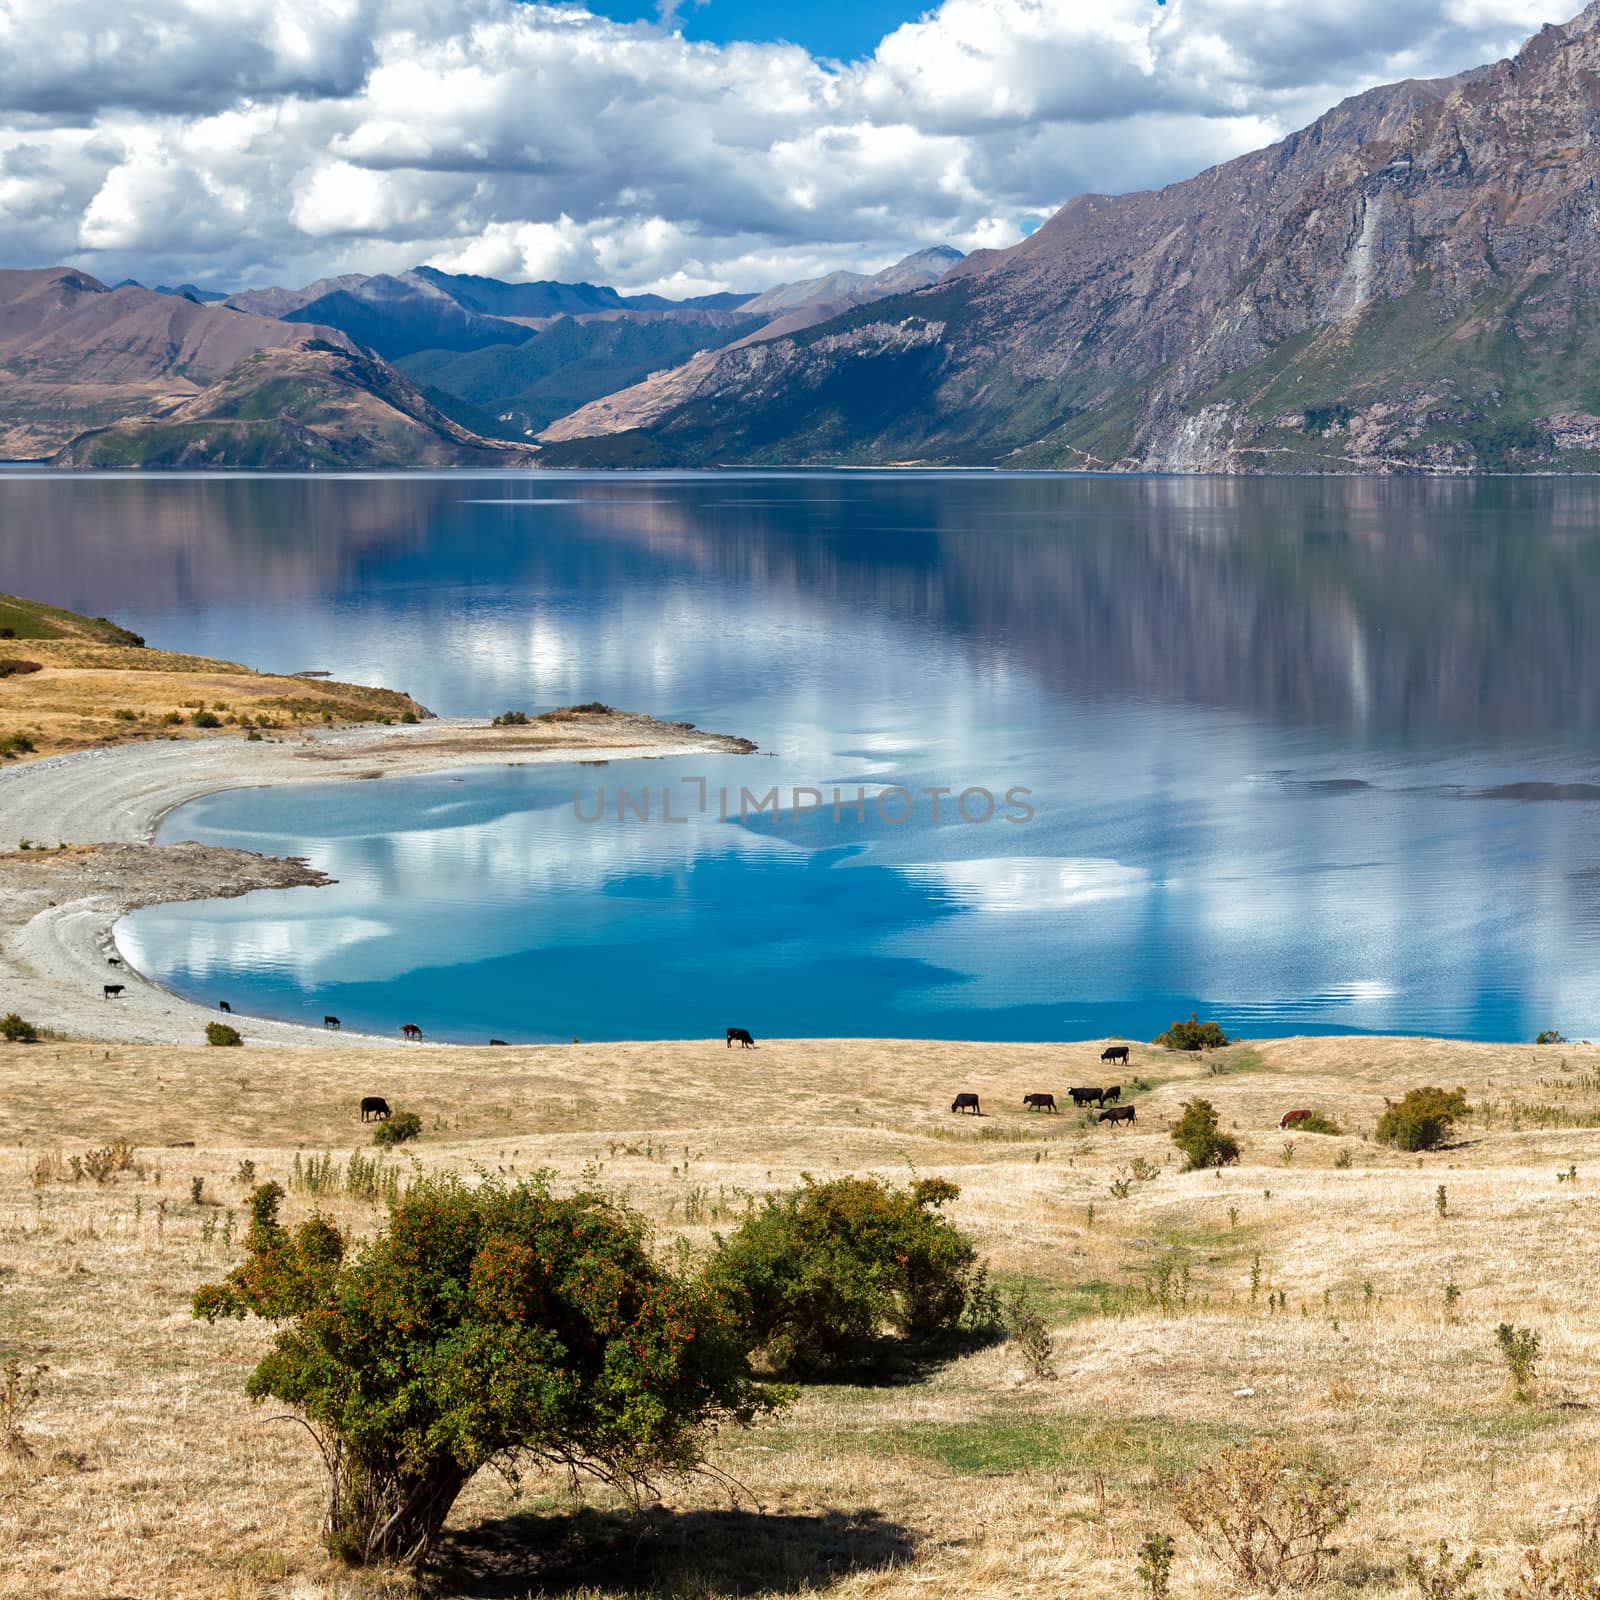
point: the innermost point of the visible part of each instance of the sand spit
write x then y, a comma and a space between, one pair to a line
58, 906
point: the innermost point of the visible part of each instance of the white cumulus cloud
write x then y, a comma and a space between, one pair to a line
279, 140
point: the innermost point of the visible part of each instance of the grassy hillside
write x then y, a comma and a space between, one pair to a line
1316, 1295
33, 619
69, 682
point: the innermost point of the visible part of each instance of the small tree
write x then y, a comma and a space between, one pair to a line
1198, 1133
17, 1030
819, 1275
1551, 1036
1423, 1119
485, 1325
1192, 1035
221, 1033
1265, 1515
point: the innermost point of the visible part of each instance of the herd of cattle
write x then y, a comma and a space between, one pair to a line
1105, 1098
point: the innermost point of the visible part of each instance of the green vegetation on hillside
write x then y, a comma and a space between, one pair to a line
33, 619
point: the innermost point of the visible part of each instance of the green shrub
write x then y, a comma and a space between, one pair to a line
1444, 1575
16, 744
510, 719
1198, 1133
1029, 1332
1520, 1347
17, 1030
403, 1125
14, 667
1551, 1036
206, 719
484, 1326
1423, 1120
1318, 1122
818, 1275
221, 1033
1192, 1035
1154, 1566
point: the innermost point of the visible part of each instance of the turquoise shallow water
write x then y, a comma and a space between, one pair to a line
1305, 756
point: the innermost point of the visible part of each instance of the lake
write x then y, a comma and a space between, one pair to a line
1300, 755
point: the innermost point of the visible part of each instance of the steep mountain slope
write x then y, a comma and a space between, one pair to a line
786, 309
75, 354
1408, 283
515, 390
313, 405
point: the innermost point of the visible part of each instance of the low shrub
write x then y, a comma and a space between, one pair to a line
1029, 1332
1265, 1514
486, 1325
1444, 1575
1423, 1119
221, 1033
398, 1129
16, 744
1198, 1133
17, 1030
1318, 1122
818, 1276
1551, 1036
1192, 1035
206, 719
1154, 1566
14, 667
1520, 1348
510, 719
19, 1393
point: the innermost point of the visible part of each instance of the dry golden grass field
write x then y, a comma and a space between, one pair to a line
152, 1476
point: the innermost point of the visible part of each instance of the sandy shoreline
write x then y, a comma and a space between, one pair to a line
58, 909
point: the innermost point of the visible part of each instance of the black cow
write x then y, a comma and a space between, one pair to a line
113, 990
741, 1034
1111, 1095
1084, 1097
497, 1041
410, 1032
222, 1005
1040, 1102
332, 1024
1117, 1114
111, 961
374, 1105
967, 1102
1115, 1052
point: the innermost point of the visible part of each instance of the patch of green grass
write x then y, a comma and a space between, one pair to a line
1016, 1442
32, 619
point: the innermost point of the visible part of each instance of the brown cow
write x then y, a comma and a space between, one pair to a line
1293, 1119
1040, 1102
410, 1030
1117, 1114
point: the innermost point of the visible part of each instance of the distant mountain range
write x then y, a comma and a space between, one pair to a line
1408, 284
419, 368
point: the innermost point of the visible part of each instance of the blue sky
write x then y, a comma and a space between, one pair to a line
843, 29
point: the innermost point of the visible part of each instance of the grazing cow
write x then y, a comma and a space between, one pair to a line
332, 1024
111, 961
1115, 1052
222, 1005
113, 990
741, 1034
1109, 1097
1083, 1097
410, 1031
497, 1041
1040, 1102
967, 1102
1293, 1119
1117, 1114
374, 1105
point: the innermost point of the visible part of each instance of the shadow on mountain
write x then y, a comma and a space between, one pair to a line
709, 1552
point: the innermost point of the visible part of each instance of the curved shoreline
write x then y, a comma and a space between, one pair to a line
59, 909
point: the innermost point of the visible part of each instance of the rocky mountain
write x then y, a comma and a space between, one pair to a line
1407, 284
91, 376
314, 404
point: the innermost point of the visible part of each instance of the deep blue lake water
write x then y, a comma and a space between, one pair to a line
1301, 755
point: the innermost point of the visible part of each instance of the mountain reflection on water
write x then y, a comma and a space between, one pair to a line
1313, 753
